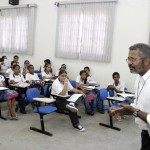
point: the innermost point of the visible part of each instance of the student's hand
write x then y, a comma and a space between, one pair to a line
66, 81
82, 93
110, 87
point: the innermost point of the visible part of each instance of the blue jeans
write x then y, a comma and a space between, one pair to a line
90, 106
99, 102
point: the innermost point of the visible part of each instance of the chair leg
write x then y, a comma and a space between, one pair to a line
42, 130
1, 115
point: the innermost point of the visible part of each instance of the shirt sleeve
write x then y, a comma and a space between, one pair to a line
78, 79
43, 74
56, 88
122, 86
148, 119
27, 77
11, 77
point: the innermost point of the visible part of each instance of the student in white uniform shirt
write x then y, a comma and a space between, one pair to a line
139, 62
89, 77
117, 85
17, 77
31, 75
47, 73
63, 67
61, 86
10, 70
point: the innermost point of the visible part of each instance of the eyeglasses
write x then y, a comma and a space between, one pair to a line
132, 60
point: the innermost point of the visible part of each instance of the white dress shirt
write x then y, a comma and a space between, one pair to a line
58, 86
142, 102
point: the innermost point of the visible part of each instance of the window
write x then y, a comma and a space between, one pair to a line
84, 31
17, 29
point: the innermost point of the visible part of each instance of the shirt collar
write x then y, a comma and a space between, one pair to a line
146, 75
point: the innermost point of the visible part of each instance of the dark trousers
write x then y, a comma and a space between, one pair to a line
61, 105
145, 137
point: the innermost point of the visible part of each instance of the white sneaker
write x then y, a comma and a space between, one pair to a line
72, 108
80, 128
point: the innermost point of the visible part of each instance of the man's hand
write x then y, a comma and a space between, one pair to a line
129, 108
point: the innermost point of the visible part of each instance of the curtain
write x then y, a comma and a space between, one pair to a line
85, 30
68, 31
17, 30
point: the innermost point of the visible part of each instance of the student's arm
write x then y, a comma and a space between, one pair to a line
78, 91
113, 88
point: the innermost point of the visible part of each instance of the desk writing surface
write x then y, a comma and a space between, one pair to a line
3, 88
120, 99
124, 95
44, 100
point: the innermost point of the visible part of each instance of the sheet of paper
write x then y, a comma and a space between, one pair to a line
3, 88
74, 97
124, 95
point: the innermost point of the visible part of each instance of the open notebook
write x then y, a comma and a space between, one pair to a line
74, 97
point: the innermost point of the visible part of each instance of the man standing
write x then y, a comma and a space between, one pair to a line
139, 62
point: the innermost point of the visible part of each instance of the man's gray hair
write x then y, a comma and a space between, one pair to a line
144, 49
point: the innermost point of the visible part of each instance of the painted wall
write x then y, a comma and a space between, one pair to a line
131, 26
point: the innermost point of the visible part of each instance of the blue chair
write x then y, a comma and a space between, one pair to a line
73, 83
34, 93
103, 96
1, 101
111, 92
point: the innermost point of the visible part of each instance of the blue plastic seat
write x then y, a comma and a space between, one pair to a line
73, 83
41, 110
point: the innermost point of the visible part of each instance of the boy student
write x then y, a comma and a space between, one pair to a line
117, 85
89, 77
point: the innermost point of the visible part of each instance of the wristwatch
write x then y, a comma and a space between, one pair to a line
135, 114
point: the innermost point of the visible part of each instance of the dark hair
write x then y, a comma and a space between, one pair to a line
16, 56
47, 66
15, 66
144, 50
47, 61
3, 58
82, 71
30, 66
115, 73
12, 63
26, 61
62, 71
87, 68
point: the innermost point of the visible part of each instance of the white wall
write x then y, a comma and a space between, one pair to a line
131, 26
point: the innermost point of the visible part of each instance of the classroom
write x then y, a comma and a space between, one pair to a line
83, 66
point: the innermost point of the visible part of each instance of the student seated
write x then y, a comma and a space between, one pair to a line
61, 86
16, 78
63, 67
4, 65
47, 73
90, 79
25, 67
10, 97
33, 78
117, 85
90, 99
16, 59
10, 70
